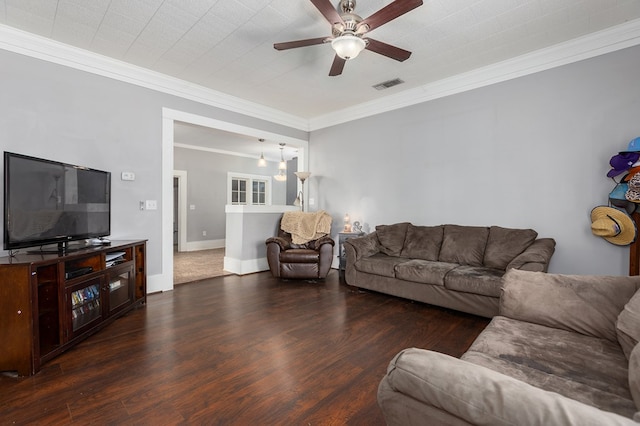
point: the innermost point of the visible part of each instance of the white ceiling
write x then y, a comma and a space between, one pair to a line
227, 45
193, 136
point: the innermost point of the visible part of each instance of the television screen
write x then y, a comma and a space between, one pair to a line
52, 202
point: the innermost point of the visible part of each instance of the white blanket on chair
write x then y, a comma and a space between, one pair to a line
305, 227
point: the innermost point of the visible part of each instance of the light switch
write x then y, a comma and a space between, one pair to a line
151, 205
128, 176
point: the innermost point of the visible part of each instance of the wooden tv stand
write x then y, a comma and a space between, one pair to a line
50, 302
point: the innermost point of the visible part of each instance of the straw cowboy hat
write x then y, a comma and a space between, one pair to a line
613, 225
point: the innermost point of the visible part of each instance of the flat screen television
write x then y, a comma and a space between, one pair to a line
48, 202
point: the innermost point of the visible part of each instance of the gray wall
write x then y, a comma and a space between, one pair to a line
531, 152
51, 111
207, 188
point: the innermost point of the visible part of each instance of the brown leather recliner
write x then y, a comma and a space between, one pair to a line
302, 261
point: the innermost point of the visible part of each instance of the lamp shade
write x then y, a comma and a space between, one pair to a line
303, 175
348, 46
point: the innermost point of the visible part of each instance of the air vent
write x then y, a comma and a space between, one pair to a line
388, 83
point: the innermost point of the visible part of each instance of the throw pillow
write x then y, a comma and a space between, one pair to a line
504, 244
464, 245
423, 242
628, 325
392, 237
634, 376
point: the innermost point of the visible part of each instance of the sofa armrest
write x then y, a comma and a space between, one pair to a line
364, 246
586, 304
536, 257
284, 244
478, 395
317, 244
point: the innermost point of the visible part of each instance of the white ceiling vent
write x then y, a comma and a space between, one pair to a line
387, 84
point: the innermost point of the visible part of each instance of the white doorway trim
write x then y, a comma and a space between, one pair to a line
181, 175
164, 282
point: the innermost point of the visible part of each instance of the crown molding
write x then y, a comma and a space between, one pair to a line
589, 46
28, 44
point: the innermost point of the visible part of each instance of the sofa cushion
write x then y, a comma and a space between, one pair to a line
464, 245
589, 369
475, 279
628, 324
586, 304
504, 244
380, 264
392, 237
424, 271
423, 242
634, 375
300, 255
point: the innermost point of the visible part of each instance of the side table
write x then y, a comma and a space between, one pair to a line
342, 237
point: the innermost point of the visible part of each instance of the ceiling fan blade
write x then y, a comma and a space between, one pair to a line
299, 43
328, 10
387, 50
337, 66
389, 13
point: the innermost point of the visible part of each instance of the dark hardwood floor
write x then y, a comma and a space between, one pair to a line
237, 350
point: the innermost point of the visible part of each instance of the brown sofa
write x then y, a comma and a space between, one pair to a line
563, 351
457, 267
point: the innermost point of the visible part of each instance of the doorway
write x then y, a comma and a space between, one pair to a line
188, 265
164, 281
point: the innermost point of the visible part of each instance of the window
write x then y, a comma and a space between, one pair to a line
238, 191
259, 192
248, 189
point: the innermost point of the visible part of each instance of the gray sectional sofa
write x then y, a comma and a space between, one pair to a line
563, 351
457, 267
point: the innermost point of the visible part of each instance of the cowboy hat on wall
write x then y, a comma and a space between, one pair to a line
614, 225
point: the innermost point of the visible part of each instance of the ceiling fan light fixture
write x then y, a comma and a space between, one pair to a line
348, 46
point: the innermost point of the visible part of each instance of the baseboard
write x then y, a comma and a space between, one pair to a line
203, 245
242, 267
159, 283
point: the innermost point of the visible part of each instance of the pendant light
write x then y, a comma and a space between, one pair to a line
262, 162
282, 167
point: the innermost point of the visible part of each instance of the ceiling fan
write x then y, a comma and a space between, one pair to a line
349, 30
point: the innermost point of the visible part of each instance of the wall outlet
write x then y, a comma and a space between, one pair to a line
312, 201
204, 233
192, 207
128, 176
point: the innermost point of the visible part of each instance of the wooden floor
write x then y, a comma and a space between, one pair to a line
237, 350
